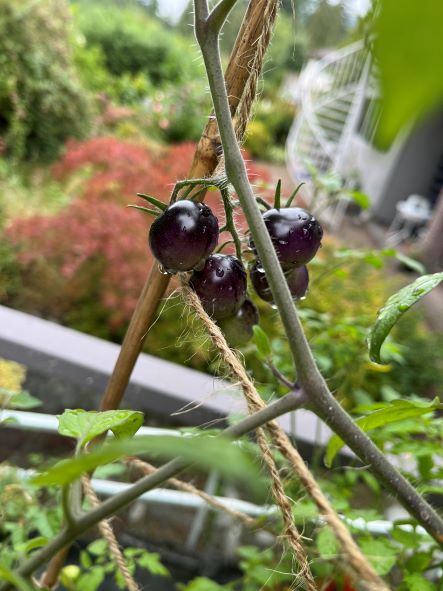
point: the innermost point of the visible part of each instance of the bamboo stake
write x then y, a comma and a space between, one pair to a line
204, 164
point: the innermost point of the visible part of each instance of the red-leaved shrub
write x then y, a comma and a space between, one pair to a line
89, 255
86, 265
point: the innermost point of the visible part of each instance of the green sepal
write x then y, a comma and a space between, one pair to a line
146, 210
153, 201
293, 194
277, 196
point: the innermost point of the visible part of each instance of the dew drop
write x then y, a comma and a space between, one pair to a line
162, 270
418, 291
403, 307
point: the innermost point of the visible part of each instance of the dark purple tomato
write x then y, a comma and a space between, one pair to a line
238, 329
220, 285
295, 233
183, 236
297, 280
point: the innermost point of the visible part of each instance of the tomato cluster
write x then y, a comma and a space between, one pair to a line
184, 236
296, 236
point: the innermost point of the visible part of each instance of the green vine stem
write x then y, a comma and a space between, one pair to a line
321, 400
230, 225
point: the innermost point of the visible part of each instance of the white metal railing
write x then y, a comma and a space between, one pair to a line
331, 97
164, 496
30, 421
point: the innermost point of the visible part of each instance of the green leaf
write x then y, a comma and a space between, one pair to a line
418, 561
86, 425
327, 544
408, 49
395, 307
416, 582
151, 562
85, 560
409, 539
201, 584
425, 466
210, 452
32, 544
98, 547
397, 410
6, 574
371, 481
360, 198
91, 580
410, 263
21, 400
304, 511
262, 342
380, 554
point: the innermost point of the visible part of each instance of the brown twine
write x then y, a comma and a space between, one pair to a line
107, 533
262, 43
146, 468
356, 559
255, 403
243, 112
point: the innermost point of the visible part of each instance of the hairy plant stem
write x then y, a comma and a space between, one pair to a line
308, 375
111, 506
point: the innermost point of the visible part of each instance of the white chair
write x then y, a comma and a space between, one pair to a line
412, 215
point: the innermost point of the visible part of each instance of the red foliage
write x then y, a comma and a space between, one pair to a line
121, 169
77, 238
334, 586
94, 253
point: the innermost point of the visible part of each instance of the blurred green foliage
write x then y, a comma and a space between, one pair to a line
409, 51
90, 61
269, 128
134, 43
326, 26
42, 102
39, 516
346, 290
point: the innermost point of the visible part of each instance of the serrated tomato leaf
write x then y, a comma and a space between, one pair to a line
395, 307
397, 410
86, 425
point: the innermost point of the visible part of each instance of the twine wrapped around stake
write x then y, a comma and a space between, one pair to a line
357, 561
